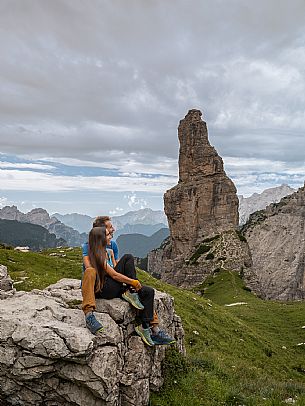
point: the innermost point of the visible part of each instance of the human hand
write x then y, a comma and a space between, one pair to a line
136, 284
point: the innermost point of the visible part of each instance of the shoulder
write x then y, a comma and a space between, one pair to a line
113, 244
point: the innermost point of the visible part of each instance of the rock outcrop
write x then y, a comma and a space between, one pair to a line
42, 218
203, 205
259, 201
48, 357
205, 201
6, 283
276, 237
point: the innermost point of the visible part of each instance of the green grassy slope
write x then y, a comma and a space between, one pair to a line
240, 355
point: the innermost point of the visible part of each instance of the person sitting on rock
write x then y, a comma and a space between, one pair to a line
100, 280
112, 248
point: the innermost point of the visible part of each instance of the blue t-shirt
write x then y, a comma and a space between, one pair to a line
113, 246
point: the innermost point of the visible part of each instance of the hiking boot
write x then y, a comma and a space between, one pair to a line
161, 338
133, 299
144, 333
92, 324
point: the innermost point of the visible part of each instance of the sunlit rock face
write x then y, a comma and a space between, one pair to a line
276, 237
49, 357
204, 202
203, 205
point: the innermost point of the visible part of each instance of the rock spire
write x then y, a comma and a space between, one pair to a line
202, 213
204, 202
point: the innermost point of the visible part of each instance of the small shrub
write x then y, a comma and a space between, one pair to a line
268, 352
210, 256
216, 270
241, 237
174, 366
247, 289
221, 258
200, 250
211, 238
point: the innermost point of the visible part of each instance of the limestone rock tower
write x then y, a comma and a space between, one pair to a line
204, 202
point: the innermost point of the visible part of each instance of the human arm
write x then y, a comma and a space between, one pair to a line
85, 250
86, 262
112, 258
122, 278
115, 248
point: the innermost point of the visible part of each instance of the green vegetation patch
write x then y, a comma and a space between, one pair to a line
31, 270
241, 237
203, 248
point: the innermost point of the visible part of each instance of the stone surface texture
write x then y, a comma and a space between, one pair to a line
204, 204
276, 237
48, 357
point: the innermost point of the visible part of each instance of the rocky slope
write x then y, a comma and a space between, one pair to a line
48, 357
42, 218
259, 201
80, 222
276, 237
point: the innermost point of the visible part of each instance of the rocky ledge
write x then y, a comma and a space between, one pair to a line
48, 357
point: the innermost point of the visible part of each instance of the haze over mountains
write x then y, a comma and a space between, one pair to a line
136, 225
144, 221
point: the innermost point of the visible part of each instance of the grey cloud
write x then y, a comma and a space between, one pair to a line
86, 79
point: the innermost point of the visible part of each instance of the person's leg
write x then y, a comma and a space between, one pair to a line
89, 287
88, 290
147, 295
126, 266
154, 324
111, 289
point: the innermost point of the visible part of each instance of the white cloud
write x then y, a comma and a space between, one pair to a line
4, 202
13, 165
35, 181
134, 202
116, 211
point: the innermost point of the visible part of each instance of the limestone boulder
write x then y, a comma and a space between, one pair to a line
48, 356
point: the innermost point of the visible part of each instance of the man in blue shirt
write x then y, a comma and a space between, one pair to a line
99, 221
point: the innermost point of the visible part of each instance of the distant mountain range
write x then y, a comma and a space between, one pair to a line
42, 218
74, 227
144, 221
259, 201
139, 245
36, 237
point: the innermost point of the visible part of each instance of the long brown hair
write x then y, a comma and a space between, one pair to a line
97, 251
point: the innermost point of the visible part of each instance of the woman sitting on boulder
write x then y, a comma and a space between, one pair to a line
100, 280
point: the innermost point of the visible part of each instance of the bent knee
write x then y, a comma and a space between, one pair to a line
127, 257
90, 273
147, 291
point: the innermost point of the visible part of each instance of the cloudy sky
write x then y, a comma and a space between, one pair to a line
91, 93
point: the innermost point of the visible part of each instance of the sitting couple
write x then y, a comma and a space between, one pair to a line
107, 277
